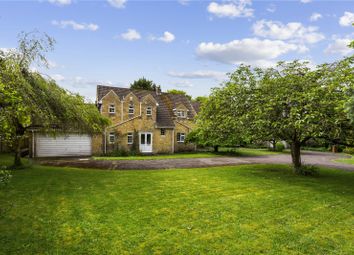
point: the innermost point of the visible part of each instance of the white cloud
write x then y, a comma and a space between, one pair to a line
57, 77
183, 84
305, 1
167, 37
200, 74
315, 16
74, 25
291, 31
184, 2
232, 9
60, 2
119, 4
78, 80
249, 50
347, 19
131, 35
272, 8
52, 64
339, 46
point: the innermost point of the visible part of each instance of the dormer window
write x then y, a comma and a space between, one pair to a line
149, 111
112, 108
131, 109
181, 114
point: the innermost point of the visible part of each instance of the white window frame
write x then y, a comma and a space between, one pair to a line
110, 107
181, 113
181, 137
148, 111
131, 109
163, 131
130, 135
112, 138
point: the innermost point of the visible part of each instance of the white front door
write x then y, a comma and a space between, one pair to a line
145, 142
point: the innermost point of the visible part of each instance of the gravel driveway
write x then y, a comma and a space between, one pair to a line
311, 158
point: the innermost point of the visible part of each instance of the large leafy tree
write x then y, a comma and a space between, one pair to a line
200, 99
291, 102
350, 104
28, 100
219, 118
143, 83
300, 103
179, 92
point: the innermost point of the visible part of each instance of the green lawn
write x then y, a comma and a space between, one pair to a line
251, 209
346, 160
243, 152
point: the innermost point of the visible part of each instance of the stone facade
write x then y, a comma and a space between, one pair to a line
143, 121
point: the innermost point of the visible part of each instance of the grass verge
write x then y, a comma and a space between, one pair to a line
346, 160
241, 152
250, 209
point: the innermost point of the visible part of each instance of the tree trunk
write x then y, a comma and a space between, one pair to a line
296, 155
216, 148
334, 148
20, 135
17, 161
273, 144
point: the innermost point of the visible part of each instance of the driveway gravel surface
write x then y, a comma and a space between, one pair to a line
311, 158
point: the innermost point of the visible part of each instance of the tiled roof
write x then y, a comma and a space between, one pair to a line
167, 102
196, 106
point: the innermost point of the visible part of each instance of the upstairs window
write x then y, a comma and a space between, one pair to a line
163, 131
149, 111
181, 114
131, 109
112, 137
130, 138
112, 108
181, 137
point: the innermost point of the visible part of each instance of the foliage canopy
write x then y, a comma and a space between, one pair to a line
290, 102
28, 100
143, 83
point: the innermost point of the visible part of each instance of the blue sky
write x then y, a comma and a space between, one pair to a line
187, 45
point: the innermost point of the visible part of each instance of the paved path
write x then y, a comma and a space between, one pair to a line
310, 158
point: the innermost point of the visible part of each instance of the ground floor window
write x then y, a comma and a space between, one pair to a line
163, 131
180, 137
130, 138
112, 137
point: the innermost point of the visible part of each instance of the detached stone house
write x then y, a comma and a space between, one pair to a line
144, 121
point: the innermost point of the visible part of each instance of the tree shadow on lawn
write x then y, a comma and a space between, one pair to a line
329, 180
247, 152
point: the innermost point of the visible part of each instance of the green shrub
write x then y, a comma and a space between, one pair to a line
5, 176
279, 147
308, 170
321, 149
349, 150
341, 148
122, 153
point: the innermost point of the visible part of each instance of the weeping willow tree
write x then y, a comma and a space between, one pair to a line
28, 99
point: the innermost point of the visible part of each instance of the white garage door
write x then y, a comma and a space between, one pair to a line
63, 145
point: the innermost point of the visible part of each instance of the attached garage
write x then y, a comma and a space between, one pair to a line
70, 145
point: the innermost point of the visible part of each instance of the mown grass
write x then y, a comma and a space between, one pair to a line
241, 152
253, 209
346, 160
